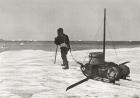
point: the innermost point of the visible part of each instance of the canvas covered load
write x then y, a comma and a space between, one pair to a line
96, 58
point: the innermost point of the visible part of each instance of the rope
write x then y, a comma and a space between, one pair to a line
73, 57
82, 65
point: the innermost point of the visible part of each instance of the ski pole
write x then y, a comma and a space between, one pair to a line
55, 54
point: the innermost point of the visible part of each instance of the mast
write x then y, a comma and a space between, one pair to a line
104, 35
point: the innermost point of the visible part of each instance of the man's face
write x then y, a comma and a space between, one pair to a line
59, 33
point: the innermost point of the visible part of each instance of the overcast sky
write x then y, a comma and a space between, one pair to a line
81, 19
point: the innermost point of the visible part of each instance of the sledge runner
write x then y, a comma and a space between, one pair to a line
63, 41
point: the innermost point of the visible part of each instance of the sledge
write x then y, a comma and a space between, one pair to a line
100, 70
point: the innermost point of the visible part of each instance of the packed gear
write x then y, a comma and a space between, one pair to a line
98, 70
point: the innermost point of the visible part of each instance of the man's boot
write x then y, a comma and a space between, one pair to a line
62, 64
66, 66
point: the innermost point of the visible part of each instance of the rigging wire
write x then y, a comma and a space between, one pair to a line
113, 44
98, 31
95, 36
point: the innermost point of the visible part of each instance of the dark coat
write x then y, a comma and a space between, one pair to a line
62, 39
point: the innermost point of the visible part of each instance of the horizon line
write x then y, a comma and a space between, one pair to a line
80, 40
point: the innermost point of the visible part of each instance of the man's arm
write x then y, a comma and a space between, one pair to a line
68, 42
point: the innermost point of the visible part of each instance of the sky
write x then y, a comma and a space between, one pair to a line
81, 19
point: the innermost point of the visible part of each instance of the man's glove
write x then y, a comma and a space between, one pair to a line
56, 41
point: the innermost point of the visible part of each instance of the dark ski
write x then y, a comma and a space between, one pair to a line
75, 84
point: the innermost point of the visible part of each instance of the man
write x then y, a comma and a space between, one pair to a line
63, 41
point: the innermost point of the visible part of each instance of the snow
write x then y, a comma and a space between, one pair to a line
33, 74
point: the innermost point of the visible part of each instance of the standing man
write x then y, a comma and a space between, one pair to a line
63, 41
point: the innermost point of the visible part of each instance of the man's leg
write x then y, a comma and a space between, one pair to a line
64, 52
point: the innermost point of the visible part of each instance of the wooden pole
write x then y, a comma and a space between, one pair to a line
104, 35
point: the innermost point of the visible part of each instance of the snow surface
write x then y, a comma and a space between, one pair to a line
33, 74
